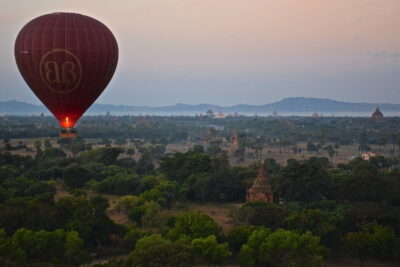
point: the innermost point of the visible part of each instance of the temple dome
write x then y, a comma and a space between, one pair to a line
377, 115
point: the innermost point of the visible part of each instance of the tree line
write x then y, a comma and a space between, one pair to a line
352, 209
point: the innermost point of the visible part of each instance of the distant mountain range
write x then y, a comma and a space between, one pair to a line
291, 105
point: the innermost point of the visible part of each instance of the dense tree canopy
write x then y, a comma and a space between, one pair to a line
120, 194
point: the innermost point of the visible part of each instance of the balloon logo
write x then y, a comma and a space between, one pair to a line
63, 75
67, 60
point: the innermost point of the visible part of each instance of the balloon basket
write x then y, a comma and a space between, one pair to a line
67, 133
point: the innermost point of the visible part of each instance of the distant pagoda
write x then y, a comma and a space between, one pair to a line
377, 116
210, 113
315, 115
234, 142
261, 189
220, 115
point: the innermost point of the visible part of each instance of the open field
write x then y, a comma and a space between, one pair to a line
280, 154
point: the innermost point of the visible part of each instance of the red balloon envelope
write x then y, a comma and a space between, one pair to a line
67, 60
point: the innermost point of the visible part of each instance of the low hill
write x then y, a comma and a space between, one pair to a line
287, 105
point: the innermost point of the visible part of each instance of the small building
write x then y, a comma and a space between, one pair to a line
220, 115
261, 189
315, 115
377, 116
368, 155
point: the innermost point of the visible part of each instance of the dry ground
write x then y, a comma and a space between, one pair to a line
345, 153
281, 155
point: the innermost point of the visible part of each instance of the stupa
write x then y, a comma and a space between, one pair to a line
261, 189
377, 116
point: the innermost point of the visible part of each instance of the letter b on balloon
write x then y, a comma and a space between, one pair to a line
60, 71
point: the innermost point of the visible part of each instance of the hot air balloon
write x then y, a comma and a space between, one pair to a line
67, 60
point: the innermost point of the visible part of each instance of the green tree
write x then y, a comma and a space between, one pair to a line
304, 181
51, 152
214, 148
193, 225
320, 223
107, 155
38, 145
239, 235
156, 251
198, 148
164, 193
38, 148
10, 250
126, 203
137, 210
259, 213
131, 237
337, 146
152, 215
130, 151
372, 240
74, 250
40, 188
331, 153
311, 146
145, 163
120, 141
201, 185
281, 248
179, 166
8, 172
28, 212
75, 176
77, 145
56, 247
47, 143
208, 251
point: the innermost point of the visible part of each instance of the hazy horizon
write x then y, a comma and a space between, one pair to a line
208, 103
231, 52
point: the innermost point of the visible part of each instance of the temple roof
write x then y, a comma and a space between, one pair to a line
377, 116
377, 113
262, 182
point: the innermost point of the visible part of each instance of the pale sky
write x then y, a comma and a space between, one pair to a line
230, 52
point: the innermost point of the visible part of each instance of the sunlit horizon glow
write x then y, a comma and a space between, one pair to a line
231, 51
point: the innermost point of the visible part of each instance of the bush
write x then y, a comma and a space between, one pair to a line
154, 250
75, 176
281, 248
193, 225
208, 251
